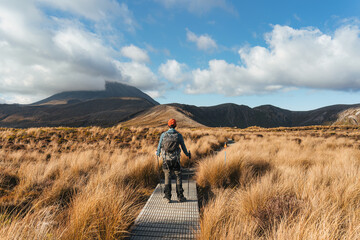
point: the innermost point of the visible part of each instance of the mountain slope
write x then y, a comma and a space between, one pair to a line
221, 115
120, 103
98, 112
117, 103
350, 116
232, 115
158, 116
112, 90
321, 116
270, 116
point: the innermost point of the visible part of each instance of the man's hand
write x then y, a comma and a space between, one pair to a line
189, 155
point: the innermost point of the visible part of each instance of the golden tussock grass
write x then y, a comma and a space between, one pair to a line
80, 183
282, 187
90, 183
76, 183
102, 212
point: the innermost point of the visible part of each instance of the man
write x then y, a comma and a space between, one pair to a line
170, 151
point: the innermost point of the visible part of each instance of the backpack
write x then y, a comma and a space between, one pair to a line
170, 142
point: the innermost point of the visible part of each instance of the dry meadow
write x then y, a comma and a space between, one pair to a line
91, 183
283, 184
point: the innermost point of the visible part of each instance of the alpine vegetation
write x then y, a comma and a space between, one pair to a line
80, 183
91, 183
283, 185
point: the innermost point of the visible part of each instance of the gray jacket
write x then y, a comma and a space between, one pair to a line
181, 142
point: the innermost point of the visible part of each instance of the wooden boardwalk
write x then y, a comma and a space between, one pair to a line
175, 220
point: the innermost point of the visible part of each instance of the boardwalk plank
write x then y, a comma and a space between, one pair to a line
162, 220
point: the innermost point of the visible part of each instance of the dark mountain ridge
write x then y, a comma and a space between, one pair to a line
224, 115
120, 103
97, 112
112, 90
241, 116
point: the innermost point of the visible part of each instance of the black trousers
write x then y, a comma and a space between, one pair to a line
168, 170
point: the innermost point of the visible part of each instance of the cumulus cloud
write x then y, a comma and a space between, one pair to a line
96, 10
293, 58
203, 42
197, 6
154, 93
137, 74
134, 53
174, 71
42, 55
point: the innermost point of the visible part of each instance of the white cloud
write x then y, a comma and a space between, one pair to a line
203, 42
198, 6
174, 71
134, 53
138, 75
154, 93
96, 10
15, 98
42, 55
79, 43
17, 21
294, 58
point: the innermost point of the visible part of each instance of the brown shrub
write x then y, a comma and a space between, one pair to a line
276, 209
8, 181
102, 212
237, 171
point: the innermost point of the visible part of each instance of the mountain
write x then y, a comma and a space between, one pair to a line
322, 116
97, 112
112, 90
120, 103
158, 116
241, 116
221, 115
350, 116
117, 103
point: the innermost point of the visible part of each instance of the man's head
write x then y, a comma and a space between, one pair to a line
172, 123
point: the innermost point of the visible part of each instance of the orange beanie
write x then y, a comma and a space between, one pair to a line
172, 123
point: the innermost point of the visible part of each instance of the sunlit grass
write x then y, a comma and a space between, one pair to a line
81, 183
275, 187
91, 183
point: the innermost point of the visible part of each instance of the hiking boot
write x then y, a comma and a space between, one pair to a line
182, 199
167, 192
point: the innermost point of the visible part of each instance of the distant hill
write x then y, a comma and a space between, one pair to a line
350, 116
97, 112
158, 116
241, 116
120, 103
112, 90
117, 103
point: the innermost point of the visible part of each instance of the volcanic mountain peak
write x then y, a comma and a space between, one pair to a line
112, 89
127, 105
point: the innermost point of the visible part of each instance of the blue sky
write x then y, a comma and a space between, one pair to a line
298, 55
